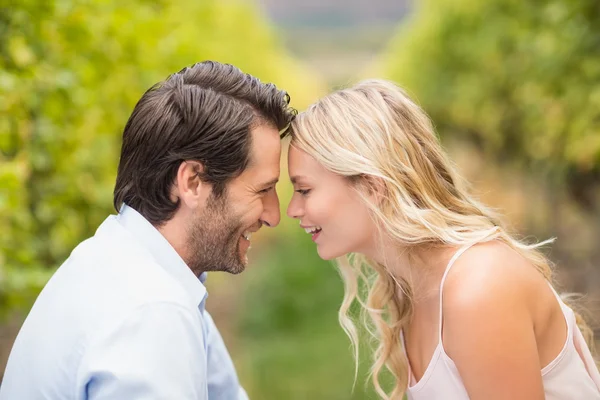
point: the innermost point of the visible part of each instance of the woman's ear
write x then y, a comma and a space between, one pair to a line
188, 187
374, 188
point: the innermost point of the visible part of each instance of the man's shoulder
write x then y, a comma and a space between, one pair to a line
112, 270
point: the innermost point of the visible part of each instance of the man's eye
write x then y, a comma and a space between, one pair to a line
265, 191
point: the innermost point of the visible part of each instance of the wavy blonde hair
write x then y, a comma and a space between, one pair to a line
374, 130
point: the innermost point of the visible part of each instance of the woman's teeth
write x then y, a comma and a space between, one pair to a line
313, 230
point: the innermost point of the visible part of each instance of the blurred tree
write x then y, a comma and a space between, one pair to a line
519, 78
70, 73
293, 346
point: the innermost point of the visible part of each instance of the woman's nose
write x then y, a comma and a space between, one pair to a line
294, 209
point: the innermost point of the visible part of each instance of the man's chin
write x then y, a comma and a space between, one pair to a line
238, 267
237, 271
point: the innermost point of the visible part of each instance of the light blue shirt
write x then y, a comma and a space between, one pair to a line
122, 318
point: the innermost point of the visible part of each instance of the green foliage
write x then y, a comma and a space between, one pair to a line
520, 78
70, 74
291, 343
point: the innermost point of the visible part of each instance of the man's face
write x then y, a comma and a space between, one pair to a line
219, 235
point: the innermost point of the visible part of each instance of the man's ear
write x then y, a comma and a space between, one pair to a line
189, 188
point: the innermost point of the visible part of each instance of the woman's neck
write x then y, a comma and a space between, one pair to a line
422, 266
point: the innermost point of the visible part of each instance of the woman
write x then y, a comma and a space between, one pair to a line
462, 309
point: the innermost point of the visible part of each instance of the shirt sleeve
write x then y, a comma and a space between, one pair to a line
223, 383
156, 353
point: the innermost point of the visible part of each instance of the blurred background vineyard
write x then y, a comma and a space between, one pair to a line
512, 86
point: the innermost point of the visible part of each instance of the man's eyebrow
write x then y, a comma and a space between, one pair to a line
270, 183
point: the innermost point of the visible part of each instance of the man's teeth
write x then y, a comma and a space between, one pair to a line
247, 235
312, 230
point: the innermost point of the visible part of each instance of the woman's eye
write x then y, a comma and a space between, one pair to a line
303, 192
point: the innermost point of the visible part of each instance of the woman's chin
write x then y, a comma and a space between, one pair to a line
328, 255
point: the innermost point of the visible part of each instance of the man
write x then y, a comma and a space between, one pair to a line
124, 317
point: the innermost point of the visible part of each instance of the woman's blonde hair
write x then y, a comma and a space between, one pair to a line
375, 135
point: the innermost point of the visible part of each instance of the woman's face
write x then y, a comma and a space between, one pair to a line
328, 208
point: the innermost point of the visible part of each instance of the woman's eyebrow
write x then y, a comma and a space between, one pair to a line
296, 178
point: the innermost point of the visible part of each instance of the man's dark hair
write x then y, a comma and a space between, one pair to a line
204, 113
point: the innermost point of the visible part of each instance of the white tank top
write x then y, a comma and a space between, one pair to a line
572, 375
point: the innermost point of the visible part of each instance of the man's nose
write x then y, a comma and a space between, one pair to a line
271, 214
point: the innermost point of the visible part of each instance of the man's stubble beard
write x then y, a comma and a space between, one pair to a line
214, 237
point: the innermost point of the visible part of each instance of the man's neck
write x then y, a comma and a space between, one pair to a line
174, 231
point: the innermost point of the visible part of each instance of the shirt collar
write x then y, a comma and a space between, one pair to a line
164, 254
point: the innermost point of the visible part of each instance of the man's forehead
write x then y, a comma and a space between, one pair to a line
265, 138
265, 150
264, 157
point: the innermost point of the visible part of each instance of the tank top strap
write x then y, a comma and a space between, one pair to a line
458, 253
566, 310
560, 300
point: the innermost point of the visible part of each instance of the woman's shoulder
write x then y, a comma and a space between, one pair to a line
491, 280
489, 319
488, 270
